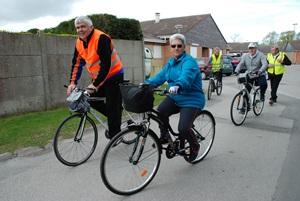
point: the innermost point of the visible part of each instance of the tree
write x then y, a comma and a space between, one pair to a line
270, 39
235, 37
123, 28
285, 37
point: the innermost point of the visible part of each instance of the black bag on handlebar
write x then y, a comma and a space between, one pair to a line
137, 99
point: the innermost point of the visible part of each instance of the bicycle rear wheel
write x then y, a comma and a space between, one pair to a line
75, 140
210, 88
128, 168
238, 109
204, 130
219, 88
258, 105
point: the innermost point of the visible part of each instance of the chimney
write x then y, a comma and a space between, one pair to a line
157, 17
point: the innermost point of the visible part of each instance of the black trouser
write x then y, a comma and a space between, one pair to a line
259, 81
186, 119
219, 74
274, 81
112, 107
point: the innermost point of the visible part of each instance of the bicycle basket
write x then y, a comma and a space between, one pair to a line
242, 78
137, 99
77, 102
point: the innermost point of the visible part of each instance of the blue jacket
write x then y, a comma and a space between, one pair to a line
185, 73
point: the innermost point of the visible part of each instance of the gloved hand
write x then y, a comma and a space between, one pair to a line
173, 89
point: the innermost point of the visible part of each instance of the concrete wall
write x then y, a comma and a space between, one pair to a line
34, 69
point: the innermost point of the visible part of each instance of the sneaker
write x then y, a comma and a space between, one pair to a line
271, 102
164, 140
194, 153
242, 111
262, 98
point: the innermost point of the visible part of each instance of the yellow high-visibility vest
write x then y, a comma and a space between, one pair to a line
278, 67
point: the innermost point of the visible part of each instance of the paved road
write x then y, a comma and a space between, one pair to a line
258, 161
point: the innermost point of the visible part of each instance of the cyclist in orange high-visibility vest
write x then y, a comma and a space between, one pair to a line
95, 50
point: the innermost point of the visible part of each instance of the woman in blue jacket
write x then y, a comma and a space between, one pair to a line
186, 96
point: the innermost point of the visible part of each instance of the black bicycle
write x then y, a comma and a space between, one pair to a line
214, 85
128, 168
77, 136
244, 100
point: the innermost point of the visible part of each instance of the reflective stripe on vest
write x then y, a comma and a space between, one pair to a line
278, 68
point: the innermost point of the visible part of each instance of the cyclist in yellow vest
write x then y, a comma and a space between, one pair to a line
216, 61
95, 50
276, 68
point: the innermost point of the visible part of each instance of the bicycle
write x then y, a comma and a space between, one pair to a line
240, 106
77, 136
214, 85
128, 168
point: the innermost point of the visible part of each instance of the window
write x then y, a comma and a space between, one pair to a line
193, 51
157, 51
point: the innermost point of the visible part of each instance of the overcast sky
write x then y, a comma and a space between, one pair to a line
251, 19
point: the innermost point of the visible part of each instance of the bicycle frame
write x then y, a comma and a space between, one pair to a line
252, 91
101, 121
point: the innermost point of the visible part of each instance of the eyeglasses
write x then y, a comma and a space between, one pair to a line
179, 46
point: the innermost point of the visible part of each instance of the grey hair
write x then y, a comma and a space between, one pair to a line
85, 19
276, 47
179, 37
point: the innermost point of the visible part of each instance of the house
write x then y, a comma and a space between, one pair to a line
242, 47
239, 47
292, 50
201, 32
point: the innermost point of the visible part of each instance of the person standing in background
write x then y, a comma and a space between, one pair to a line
276, 68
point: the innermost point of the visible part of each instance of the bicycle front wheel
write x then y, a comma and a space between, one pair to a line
219, 88
75, 140
129, 119
238, 109
258, 105
204, 130
128, 168
210, 88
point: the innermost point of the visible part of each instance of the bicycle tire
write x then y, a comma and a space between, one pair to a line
238, 103
219, 88
68, 149
258, 105
204, 129
210, 89
118, 171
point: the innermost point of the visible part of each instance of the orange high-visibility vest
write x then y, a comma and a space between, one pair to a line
91, 57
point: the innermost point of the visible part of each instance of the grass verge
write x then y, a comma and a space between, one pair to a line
34, 129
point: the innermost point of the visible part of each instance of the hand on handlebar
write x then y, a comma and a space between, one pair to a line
174, 89
258, 73
91, 89
71, 87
